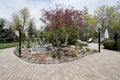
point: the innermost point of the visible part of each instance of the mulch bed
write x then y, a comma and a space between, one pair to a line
45, 58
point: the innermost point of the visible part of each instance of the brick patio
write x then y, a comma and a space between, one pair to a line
98, 66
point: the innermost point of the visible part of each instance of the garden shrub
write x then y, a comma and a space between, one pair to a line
73, 37
54, 55
78, 47
81, 45
109, 44
87, 49
74, 55
118, 46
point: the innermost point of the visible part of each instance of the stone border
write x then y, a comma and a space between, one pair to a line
74, 59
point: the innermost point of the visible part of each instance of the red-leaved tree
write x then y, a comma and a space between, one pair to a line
61, 19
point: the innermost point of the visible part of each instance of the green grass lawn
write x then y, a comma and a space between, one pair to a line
9, 45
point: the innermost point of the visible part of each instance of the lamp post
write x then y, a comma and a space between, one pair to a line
20, 34
99, 38
116, 41
83, 28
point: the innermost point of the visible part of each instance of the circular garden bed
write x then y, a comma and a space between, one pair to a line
67, 54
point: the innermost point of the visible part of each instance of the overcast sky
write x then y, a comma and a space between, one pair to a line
8, 7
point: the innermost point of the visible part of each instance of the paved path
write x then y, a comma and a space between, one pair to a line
99, 66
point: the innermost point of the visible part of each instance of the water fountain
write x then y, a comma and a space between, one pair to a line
41, 48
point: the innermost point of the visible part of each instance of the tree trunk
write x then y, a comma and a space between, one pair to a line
58, 53
66, 40
58, 49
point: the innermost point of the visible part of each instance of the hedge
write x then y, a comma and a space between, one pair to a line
109, 44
